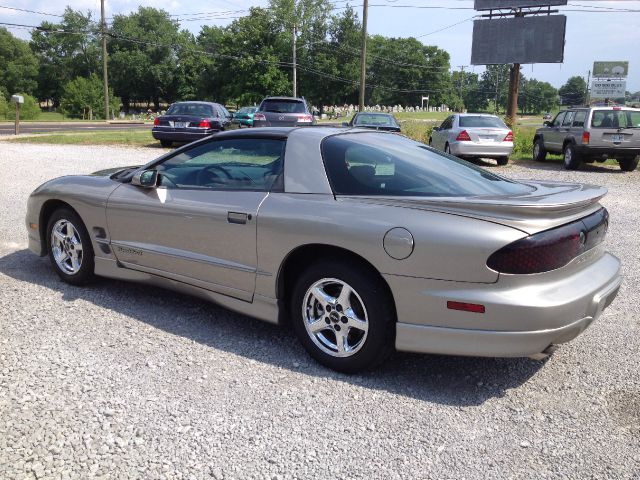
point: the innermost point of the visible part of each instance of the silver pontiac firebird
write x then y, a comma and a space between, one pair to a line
360, 241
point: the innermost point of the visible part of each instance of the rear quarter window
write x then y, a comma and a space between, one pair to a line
578, 120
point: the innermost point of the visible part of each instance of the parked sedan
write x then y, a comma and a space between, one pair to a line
375, 121
474, 135
359, 241
189, 121
244, 116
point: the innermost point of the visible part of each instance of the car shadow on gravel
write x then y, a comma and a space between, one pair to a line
454, 381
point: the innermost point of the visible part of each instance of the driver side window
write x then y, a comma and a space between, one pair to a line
251, 164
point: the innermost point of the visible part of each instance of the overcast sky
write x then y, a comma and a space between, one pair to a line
601, 35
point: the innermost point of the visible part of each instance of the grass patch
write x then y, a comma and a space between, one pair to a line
119, 137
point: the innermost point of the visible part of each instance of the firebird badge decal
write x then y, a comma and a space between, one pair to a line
130, 251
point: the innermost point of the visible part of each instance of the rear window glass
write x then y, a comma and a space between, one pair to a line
372, 119
376, 164
470, 121
196, 109
615, 119
282, 106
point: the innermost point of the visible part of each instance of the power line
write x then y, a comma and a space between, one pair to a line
30, 11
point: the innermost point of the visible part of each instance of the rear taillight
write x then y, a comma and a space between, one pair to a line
260, 117
305, 118
586, 136
553, 248
463, 136
204, 124
156, 121
509, 137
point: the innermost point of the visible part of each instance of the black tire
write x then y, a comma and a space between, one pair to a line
628, 164
380, 315
539, 152
447, 149
84, 273
572, 158
166, 143
502, 161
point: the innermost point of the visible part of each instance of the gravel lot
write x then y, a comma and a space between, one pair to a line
127, 381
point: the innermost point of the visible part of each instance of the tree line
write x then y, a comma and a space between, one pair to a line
154, 61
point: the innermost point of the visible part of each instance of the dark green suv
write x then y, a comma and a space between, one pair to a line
591, 134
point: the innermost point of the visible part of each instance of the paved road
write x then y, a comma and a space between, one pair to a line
50, 127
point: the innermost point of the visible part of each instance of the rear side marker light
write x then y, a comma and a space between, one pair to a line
466, 307
463, 136
509, 137
585, 138
156, 121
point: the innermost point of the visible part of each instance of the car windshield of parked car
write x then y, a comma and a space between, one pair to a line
373, 119
234, 164
616, 119
377, 164
282, 106
195, 109
470, 121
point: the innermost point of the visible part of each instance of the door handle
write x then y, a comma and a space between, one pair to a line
237, 217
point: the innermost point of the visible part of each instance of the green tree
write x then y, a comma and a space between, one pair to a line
29, 110
64, 56
18, 65
574, 92
84, 97
468, 86
495, 82
537, 97
3, 106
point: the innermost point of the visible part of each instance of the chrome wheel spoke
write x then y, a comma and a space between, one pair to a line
71, 232
58, 236
335, 317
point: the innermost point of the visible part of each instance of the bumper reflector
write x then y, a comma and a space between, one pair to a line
33, 226
465, 307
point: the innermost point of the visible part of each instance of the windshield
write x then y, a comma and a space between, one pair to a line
282, 106
373, 119
616, 119
195, 109
470, 121
378, 164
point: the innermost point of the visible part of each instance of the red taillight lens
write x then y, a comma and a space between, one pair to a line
156, 121
509, 137
260, 117
553, 248
586, 136
204, 124
463, 136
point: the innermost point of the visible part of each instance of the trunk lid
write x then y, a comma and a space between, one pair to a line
547, 205
180, 121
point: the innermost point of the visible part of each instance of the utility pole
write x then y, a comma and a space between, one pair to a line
105, 77
497, 84
363, 54
295, 66
586, 96
514, 87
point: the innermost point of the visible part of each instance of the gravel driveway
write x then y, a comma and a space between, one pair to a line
126, 381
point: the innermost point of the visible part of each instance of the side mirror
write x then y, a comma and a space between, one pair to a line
146, 179
436, 129
546, 124
345, 124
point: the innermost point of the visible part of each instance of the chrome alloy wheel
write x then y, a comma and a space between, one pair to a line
568, 156
335, 317
66, 246
536, 150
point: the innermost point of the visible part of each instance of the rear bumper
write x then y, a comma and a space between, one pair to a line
261, 123
182, 136
611, 152
520, 319
247, 122
478, 149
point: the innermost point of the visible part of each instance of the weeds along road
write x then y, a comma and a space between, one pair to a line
127, 381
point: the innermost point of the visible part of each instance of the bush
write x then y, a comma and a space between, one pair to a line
416, 130
523, 142
3, 106
82, 94
29, 110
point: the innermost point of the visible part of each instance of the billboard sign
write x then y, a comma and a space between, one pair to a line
608, 87
536, 39
498, 4
610, 69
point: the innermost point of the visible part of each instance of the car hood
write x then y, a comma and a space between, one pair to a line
547, 205
107, 172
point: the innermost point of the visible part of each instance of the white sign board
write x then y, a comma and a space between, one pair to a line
608, 87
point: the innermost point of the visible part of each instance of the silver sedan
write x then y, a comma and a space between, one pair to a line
359, 241
474, 135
